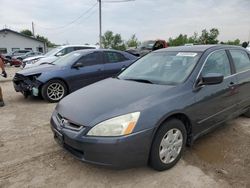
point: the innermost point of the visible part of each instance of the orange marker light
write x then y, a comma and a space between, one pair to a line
130, 128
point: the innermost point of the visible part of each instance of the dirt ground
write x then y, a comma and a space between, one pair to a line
29, 156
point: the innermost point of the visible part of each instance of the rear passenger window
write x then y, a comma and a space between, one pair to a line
114, 57
217, 62
241, 60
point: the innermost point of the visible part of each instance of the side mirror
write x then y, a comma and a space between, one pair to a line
59, 54
77, 65
211, 79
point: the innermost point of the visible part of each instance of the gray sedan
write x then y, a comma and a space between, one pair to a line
154, 108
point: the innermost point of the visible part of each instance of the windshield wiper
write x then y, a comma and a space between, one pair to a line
140, 80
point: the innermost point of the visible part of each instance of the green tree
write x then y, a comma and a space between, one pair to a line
194, 38
133, 41
235, 42
114, 41
178, 41
26, 32
209, 37
46, 40
39, 37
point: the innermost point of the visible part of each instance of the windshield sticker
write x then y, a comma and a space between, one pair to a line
76, 54
186, 54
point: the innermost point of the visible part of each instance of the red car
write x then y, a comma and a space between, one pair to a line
15, 62
148, 46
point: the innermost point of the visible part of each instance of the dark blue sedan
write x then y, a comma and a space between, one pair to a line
53, 81
154, 108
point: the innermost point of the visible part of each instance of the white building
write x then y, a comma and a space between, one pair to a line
11, 40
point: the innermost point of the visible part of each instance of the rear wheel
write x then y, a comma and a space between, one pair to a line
168, 145
54, 91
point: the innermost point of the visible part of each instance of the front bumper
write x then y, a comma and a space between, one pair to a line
116, 152
25, 85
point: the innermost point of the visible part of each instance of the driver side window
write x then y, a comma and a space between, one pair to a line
217, 62
90, 59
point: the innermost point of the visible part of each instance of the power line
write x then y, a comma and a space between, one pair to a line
73, 21
66, 29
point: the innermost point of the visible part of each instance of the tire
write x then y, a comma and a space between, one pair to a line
247, 113
161, 142
54, 90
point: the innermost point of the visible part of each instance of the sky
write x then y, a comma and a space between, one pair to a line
76, 21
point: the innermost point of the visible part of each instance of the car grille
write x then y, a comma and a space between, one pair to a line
67, 124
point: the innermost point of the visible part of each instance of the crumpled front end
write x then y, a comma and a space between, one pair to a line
27, 85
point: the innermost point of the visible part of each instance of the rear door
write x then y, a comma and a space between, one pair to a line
90, 72
242, 66
215, 103
114, 62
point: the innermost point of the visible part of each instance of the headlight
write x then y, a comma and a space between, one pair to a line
118, 126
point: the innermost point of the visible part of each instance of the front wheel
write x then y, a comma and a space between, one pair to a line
168, 145
54, 91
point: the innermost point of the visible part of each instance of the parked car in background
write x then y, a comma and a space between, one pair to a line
54, 54
32, 60
17, 60
26, 55
55, 80
9, 56
148, 46
149, 112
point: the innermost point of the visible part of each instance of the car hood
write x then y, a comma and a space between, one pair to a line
49, 59
107, 99
39, 69
33, 57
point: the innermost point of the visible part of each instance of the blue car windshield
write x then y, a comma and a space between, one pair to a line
168, 68
68, 59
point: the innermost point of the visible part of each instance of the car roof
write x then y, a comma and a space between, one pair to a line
197, 48
98, 50
76, 45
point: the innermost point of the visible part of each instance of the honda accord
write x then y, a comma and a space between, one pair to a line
154, 108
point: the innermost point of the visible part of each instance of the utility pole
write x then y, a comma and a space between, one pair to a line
100, 23
33, 29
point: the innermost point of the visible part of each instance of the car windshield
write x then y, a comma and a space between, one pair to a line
147, 44
168, 68
53, 51
67, 59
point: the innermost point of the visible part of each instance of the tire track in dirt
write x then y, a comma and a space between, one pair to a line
9, 170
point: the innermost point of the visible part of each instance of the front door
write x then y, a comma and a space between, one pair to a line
215, 103
91, 71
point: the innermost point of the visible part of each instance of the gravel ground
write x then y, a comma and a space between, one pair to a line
29, 157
